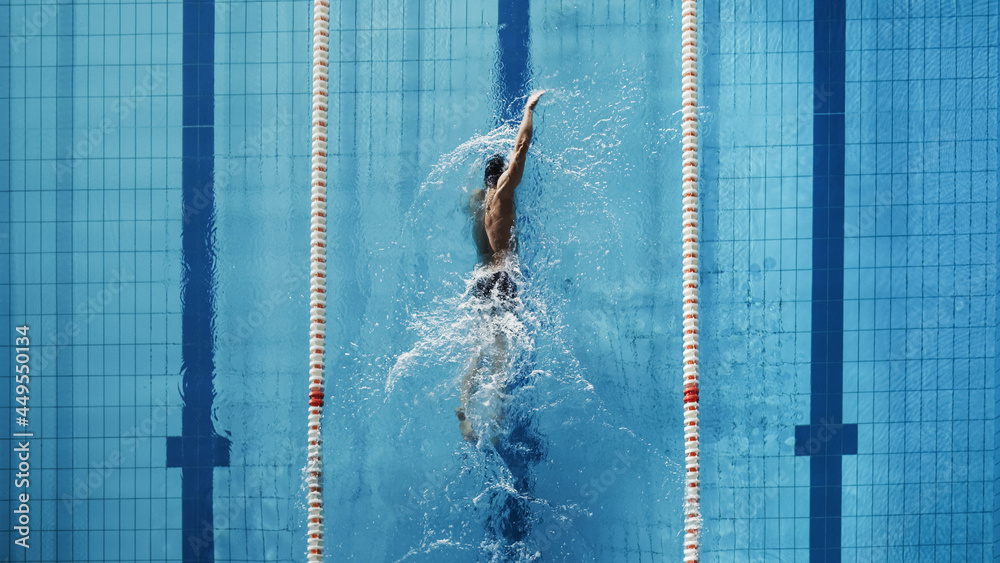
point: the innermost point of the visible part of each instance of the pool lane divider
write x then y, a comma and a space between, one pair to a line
826, 438
691, 278
317, 277
198, 450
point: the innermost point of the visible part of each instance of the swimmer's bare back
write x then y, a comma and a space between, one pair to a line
500, 215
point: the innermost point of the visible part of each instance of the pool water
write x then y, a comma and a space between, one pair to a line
154, 223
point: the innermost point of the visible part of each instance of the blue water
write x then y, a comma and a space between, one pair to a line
154, 226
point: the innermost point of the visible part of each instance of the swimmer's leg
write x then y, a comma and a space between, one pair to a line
499, 381
470, 382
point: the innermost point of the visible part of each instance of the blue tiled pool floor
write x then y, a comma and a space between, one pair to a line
154, 224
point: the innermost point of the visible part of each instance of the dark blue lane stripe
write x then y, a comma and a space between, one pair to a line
826, 438
198, 450
513, 43
521, 448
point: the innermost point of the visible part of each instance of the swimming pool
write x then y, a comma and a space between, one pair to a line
155, 220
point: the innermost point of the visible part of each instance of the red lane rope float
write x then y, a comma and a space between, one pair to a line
317, 280
689, 93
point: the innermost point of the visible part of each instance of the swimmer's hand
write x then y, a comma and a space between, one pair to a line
533, 100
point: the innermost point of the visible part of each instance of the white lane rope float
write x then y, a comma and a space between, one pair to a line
689, 128
317, 277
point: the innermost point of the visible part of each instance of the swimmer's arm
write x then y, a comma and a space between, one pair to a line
512, 176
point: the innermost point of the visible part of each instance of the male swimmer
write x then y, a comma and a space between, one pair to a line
495, 282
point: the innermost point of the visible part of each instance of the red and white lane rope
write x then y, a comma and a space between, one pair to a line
689, 87
317, 284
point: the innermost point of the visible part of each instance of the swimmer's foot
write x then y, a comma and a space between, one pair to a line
465, 425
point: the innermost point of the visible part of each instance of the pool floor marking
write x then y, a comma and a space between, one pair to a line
199, 450
522, 449
514, 53
826, 438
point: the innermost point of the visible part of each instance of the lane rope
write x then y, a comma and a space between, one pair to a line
317, 277
691, 279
